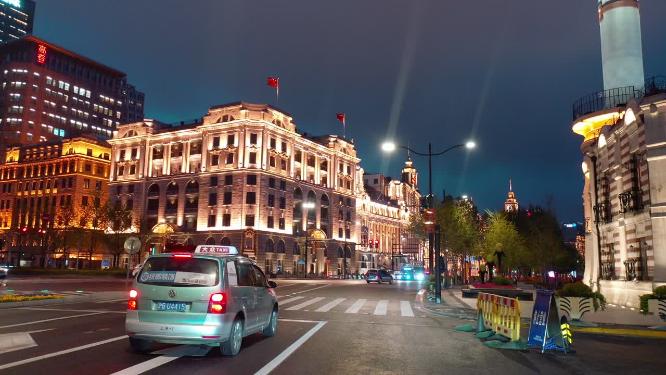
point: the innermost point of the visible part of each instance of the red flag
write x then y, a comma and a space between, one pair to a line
341, 117
273, 82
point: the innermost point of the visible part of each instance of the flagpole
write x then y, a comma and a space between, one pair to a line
344, 128
277, 94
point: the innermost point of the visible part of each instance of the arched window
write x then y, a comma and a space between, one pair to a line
311, 213
172, 188
341, 253
153, 190
225, 241
348, 251
270, 246
297, 249
210, 241
131, 133
280, 248
192, 187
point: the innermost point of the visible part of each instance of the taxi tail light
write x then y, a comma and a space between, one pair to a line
217, 303
132, 302
182, 255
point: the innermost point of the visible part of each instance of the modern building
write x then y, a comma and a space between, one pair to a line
511, 202
50, 93
624, 159
47, 188
16, 19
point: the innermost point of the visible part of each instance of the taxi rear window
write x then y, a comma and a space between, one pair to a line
172, 271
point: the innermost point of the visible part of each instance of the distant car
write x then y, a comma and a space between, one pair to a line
378, 276
211, 297
397, 275
4, 270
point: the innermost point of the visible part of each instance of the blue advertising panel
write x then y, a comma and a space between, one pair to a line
539, 322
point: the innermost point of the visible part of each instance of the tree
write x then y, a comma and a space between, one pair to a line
64, 236
120, 220
94, 217
502, 244
459, 224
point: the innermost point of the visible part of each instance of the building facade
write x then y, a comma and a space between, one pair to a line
16, 19
624, 159
46, 188
244, 176
50, 93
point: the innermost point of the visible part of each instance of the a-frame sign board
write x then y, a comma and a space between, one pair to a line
545, 329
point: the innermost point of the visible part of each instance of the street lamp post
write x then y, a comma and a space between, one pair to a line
390, 147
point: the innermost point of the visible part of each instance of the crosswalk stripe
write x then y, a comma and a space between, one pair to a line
353, 309
330, 305
406, 309
306, 303
292, 299
381, 307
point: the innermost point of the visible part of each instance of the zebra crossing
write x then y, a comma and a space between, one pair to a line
348, 306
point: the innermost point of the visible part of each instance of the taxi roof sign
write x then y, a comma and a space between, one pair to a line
216, 250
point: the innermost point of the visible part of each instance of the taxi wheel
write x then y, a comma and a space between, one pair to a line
140, 345
232, 346
271, 328
367, 281
390, 282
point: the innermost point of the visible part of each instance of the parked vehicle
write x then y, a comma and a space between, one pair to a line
378, 276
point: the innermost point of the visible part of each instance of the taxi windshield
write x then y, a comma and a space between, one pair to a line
173, 271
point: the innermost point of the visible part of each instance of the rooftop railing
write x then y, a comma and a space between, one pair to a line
617, 97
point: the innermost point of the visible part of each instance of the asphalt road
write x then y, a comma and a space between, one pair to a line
325, 327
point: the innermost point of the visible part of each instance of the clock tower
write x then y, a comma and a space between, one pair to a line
511, 203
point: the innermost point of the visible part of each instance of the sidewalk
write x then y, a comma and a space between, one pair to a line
613, 314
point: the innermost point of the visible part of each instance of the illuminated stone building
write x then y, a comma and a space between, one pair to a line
41, 184
511, 203
49, 93
244, 176
624, 164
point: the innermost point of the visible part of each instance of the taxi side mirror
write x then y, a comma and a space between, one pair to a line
272, 284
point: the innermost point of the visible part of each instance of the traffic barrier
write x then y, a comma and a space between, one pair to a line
499, 314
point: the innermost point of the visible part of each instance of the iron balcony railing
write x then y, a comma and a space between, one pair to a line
617, 97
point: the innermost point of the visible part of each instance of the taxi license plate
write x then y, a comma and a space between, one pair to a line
171, 306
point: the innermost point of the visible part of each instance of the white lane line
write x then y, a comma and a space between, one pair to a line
299, 321
55, 354
169, 355
49, 320
72, 310
112, 300
353, 309
381, 308
406, 309
272, 365
305, 291
306, 303
330, 305
288, 300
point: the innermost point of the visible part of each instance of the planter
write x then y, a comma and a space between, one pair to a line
657, 307
575, 307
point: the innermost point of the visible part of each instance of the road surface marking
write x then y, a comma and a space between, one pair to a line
353, 309
272, 365
55, 354
381, 307
169, 355
305, 291
48, 320
330, 305
73, 310
10, 342
299, 321
306, 303
288, 300
112, 300
406, 309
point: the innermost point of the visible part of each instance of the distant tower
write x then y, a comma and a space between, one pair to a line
621, 46
511, 203
409, 174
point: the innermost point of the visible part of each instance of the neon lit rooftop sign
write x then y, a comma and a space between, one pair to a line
41, 54
16, 3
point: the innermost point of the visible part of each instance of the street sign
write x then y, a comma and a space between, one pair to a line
132, 245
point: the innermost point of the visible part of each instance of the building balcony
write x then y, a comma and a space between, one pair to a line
617, 97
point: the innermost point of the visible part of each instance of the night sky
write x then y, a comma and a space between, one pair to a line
502, 72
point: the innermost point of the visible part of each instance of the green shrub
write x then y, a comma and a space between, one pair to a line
660, 292
499, 280
579, 289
